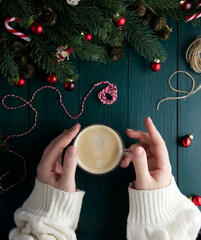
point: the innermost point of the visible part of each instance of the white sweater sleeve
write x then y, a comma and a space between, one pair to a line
48, 214
162, 214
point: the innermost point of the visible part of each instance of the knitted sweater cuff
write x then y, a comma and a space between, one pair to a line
57, 205
153, 207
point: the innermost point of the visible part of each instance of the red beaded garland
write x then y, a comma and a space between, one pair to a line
20, 83
37, 28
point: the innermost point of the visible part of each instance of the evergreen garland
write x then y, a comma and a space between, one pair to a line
64, 24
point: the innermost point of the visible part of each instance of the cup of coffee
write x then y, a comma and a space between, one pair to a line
100, 149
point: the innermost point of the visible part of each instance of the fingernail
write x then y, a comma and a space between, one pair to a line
72, 151
129, 129
138, 152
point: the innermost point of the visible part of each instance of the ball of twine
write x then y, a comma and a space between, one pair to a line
193, 55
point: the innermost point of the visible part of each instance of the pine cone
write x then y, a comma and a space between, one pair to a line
164, 33
158, 23
21, 61
147, 18
121, 29
38, 11
49, 16
18, 49
116, 54
28, 71
141, 10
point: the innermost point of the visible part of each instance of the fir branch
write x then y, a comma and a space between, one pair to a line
141, 37
8, 66
19, 9
44, 56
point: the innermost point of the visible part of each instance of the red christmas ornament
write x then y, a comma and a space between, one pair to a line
197, 200
69, 85
155, 65
37, 28
185, 5
51, 78
187, 140
121, 21
20, 83
88, 37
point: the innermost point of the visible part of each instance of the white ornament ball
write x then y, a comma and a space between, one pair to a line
73, 2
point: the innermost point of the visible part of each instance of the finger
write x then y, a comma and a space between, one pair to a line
141, 136
154, 135
139, 159
126, 161
128, 158
158, 149
54, 150
69, 168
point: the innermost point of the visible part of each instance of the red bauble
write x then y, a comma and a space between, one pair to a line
69, 85
20, 83
51, 78
37, 28
187, 140
120, 21
155, 65
197, 200
88, 37
185, 5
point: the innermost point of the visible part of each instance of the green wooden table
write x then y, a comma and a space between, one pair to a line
105, 205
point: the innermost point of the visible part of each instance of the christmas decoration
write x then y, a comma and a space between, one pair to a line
191, 92
15, 32
111, 89
185, 5
187, 140
88, 37
116, 53
196, 200
155, 65
73, 2
51, 78
20, 83
121, 21
63, 52
69, 85
46, 15
37, 28
96, 21
141, 10
193, 55
155, 21
27, 71
192, 17
18, 49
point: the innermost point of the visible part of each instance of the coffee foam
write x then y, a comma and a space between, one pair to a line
99, 149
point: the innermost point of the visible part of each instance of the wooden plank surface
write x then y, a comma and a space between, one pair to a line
189, 161
105, 205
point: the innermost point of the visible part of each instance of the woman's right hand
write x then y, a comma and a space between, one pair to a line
150, 158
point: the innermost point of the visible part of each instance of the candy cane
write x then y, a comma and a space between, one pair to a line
194, 16
15, 32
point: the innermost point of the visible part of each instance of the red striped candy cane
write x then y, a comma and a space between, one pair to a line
15, 32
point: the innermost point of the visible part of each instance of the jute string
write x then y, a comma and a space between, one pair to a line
191, 92
193, 55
